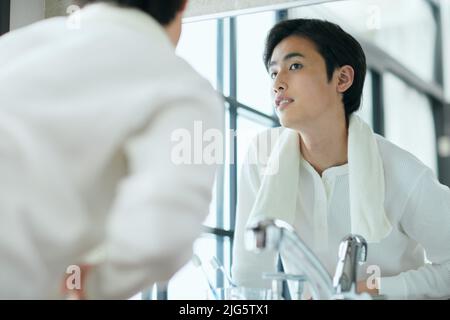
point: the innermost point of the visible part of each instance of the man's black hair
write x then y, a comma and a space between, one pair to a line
164, 11
336, 46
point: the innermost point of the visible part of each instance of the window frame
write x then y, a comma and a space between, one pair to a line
5, 16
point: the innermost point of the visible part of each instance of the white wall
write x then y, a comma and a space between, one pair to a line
25, 12
205, 8
220, 8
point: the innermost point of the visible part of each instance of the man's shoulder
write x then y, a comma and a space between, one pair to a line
398, 162
38, 34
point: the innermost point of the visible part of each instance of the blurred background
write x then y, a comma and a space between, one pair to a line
406, 95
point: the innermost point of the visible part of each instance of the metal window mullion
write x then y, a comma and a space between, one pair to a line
233, 127
257, 113
251, 116
218, 231
220, 172
444, 162
5, 12
162, 292
438, 49
377, 103
281, 15
440, 114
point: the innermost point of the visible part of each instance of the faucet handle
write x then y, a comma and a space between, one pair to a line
352, 252
362, 243
262, 235
352, 242
343, 248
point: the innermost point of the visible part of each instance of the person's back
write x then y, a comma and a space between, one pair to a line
101, 103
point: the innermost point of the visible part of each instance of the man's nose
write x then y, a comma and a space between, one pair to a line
279, 85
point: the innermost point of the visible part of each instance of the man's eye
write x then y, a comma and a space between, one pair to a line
295, 66
273, 75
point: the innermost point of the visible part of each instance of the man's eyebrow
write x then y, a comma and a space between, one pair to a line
288, 56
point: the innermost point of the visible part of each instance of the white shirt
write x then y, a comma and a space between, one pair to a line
417, 205
86, 124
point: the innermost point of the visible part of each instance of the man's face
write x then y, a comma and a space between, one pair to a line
300, 88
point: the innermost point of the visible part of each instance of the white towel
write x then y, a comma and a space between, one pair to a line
277, 196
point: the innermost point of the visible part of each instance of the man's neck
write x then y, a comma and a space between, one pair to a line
173, 29
325, 145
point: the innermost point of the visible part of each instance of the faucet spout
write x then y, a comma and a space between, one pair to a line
278, 235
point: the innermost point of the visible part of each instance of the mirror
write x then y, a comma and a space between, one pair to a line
399, 95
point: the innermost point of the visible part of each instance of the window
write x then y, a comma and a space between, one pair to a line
202, 55
249, 110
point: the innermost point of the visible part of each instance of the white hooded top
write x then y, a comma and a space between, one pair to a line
86, 123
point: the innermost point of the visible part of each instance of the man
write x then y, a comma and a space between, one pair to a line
88, 114
328, 175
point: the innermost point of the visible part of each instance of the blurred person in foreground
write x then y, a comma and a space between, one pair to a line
88, 117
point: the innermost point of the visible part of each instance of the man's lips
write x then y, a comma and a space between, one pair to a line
282, 102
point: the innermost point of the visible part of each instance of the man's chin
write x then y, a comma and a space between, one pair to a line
287, 123
290, 123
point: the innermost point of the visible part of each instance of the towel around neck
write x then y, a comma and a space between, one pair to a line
277, 195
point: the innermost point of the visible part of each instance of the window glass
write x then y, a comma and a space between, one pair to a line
246, 131
201, 55
409, 120
365, 110
190, 282
253, 85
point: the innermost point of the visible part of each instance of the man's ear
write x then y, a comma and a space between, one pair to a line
345, 75
183, 7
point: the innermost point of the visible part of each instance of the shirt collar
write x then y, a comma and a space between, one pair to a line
331, 172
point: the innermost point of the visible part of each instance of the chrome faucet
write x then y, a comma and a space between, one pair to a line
278, 235
352, 253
